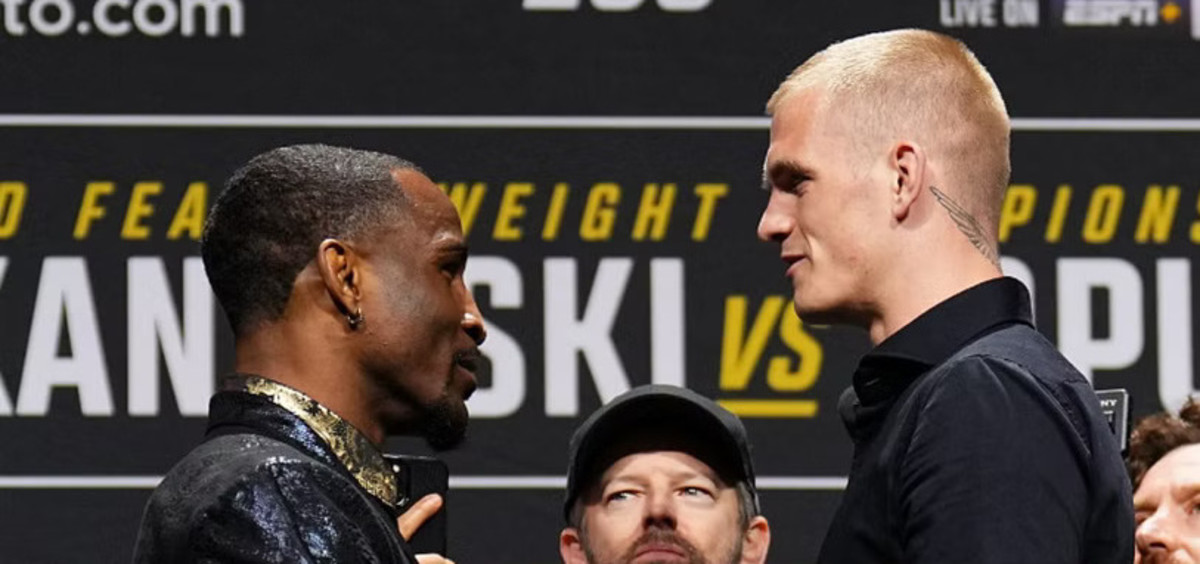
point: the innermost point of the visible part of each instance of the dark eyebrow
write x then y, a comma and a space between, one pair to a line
456, 247
452, 247
782, 169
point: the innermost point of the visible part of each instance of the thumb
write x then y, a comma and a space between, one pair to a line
433, 559
421, 511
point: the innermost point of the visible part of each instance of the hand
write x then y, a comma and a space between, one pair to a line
433, 559
421, 511
416, 516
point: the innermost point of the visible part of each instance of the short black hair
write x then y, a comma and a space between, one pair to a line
274, 212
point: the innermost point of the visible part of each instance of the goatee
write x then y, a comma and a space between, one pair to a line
445, 424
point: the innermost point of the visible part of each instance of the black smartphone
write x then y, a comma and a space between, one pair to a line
416, 477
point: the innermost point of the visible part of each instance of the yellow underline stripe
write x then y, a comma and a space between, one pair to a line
770, 407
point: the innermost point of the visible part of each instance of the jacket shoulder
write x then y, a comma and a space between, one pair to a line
240, 493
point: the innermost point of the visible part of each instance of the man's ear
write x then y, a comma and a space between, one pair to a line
570, 546
756, 541
908, 168
342, 273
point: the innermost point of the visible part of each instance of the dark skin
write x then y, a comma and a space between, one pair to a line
421, 326
416, 345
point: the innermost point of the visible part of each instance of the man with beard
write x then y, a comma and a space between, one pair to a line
1164, 464
974, 439
662, 474
340, 272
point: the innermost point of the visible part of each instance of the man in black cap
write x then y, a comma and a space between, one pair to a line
662, 474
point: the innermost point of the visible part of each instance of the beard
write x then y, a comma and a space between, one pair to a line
445, 423
661, 536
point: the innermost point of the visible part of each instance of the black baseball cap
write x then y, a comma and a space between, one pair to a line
650, 408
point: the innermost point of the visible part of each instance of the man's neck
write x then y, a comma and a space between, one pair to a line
921, 289
313, 365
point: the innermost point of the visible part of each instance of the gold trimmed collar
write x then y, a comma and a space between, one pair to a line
352, 448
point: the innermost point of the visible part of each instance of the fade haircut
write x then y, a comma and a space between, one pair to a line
1157, 435
923, 86
275, 211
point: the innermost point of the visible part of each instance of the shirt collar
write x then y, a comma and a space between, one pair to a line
353, 449
937, 334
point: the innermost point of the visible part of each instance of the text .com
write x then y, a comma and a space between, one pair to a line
120, 18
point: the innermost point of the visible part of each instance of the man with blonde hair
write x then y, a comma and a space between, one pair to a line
975, 441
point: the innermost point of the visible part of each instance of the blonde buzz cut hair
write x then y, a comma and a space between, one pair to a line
925, 87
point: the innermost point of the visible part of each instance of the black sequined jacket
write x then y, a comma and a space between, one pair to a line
279, 478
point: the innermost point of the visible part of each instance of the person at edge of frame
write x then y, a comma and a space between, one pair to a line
662, 474
1164, 466
340, 272
974, 439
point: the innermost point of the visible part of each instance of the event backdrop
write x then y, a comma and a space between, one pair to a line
606, 158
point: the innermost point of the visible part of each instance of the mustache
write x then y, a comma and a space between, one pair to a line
467, 358
663, 537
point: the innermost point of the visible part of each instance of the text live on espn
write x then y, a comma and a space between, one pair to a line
1162, 14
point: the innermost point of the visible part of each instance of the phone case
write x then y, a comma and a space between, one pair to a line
418, 476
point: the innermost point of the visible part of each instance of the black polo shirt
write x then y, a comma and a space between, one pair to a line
975, 441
